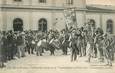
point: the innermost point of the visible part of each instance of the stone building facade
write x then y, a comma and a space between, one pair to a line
49, 14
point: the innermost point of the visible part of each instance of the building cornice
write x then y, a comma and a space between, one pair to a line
57, 8
37, 7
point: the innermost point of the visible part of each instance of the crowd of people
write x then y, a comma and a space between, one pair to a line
86, 41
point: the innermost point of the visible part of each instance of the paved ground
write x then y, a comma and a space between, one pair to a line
55, 64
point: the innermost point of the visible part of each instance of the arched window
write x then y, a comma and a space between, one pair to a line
18, 24
92, 22
42, 25
109, 27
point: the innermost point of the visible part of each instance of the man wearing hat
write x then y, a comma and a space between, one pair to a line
21, 45
74, 46
10, 45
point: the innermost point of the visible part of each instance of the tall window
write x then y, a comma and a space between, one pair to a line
109, 27
18, 0
42, 1
18, 24
69, 2
42, 24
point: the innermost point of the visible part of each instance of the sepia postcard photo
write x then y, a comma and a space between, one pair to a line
57, 36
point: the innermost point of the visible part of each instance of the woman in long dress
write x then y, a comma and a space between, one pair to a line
107, 50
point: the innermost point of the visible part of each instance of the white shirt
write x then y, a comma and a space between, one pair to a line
39, 43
